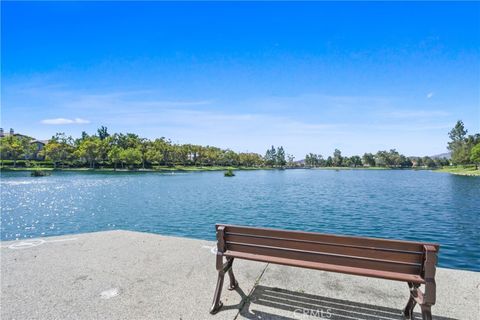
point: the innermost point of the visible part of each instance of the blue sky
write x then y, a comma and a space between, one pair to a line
309, 76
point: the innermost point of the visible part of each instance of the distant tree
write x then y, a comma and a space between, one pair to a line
368, 160
355, 161
250, 159
419, 162
280, 157
314, 160
475, 155
131, 157
440, 162
158, 151
13, 147
428, 162
470, 142
84, 135
53, 152
347, 162
290, 160
337, 158
457, 144
89, 149
406, 162
143, 146
308, 160
271, 156
230, 158
329, 162
114, 156
395, 158
102, 133
382, 158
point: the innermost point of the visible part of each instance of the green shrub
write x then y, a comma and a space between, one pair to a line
39, 173
229, 173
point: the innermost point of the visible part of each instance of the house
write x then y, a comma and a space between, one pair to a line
12, 133
38, 145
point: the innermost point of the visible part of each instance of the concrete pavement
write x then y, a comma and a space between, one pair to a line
131, 275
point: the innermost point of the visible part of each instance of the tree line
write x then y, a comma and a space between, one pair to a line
129, 151
464, 150
383, 158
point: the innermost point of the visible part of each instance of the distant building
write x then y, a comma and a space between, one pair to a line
12, 133
38, 144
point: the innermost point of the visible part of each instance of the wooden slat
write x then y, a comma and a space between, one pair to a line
327, 267
327, 238
322, 247
329, 259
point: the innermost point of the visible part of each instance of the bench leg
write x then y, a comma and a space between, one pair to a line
233, 281
408, 311
217, 304
222, 269
426, 312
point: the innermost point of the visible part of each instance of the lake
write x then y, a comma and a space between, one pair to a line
397, 204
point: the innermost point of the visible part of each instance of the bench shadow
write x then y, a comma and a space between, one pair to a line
291, 305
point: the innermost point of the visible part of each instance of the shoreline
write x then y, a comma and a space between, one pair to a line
466, 172
157, 170
460, 171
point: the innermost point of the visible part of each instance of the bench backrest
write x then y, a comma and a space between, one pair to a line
403, 257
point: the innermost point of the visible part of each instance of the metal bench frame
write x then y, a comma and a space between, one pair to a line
406, 261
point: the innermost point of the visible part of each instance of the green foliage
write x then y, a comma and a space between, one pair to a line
275, 157
114, 155
39, 173
14, 147
314, 160
368, 159
103, 133
461, 145
89, 150
355, 161
229, 173
337, 158
280, 157
475, 154
105, 150
271, 156
131, 157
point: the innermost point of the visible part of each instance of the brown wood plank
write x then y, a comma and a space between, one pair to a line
327, 259
334, 239
327, 267
322, 247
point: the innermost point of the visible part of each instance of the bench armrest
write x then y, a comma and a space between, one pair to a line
429, 269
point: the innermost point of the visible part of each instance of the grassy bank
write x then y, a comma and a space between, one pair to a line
155, 169
461, 171
351, 168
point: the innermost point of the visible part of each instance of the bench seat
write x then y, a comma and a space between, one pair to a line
327, 267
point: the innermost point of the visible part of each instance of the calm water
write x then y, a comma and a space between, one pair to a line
412, 205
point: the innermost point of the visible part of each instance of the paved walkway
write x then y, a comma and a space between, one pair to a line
131, 275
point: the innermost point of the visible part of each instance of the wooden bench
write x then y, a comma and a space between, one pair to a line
410, 262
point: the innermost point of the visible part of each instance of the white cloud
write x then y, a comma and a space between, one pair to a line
59, 121
430, 94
